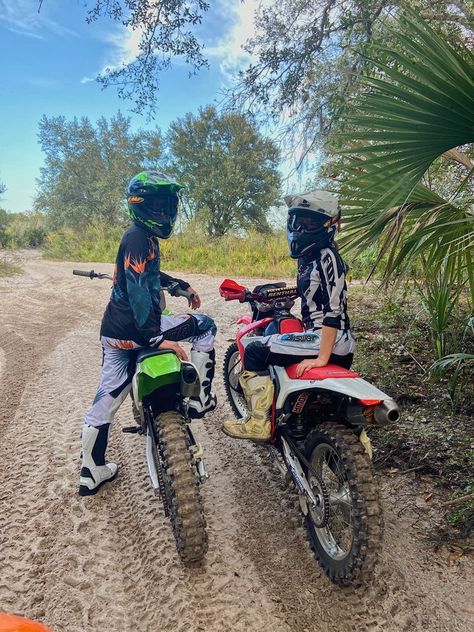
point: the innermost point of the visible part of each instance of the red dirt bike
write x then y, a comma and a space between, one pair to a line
318, 437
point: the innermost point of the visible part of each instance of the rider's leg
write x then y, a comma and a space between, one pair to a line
203, 357
201, 331
115, 382
257, 385
258, 357
258, 391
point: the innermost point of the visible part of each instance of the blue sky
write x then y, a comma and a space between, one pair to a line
48, 62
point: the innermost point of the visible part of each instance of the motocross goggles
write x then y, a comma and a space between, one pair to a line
309, 232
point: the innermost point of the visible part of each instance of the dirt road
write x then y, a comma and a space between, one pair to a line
108, 563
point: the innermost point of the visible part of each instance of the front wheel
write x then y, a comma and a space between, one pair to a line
232, 371
348, 544
181, 488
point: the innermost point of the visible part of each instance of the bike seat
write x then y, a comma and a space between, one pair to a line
321, 373
147, 353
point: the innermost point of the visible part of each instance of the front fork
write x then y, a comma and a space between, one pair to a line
197, 453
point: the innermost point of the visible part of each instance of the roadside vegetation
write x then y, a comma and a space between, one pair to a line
385, 92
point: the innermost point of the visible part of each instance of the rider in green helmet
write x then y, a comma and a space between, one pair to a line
133, 320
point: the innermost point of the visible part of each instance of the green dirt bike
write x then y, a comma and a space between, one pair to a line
161, 387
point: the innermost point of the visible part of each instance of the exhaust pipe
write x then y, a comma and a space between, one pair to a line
387, 412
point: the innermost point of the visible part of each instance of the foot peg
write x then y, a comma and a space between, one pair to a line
133, 429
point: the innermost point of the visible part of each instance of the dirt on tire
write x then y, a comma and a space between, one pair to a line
108, 563
184, 503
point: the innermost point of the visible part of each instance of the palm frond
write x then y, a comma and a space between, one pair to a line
419, 105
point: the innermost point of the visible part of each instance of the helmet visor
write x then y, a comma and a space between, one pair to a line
162, 207
309, 223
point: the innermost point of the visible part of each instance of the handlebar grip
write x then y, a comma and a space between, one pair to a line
84, 273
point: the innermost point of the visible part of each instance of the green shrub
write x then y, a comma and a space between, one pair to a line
22, 230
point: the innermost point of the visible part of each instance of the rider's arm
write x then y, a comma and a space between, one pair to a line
333, 282
332, 288
166, 280
328, 338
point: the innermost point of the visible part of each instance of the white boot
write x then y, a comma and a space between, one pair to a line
205, 364
94, 471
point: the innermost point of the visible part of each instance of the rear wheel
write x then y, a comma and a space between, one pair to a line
232, 371
181, 485
348, 545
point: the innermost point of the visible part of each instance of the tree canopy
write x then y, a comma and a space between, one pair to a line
166, 32
229, 170
87, 168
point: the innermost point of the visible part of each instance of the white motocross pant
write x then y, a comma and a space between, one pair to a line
118, 364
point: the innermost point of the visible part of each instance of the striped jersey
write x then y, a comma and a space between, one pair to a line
323, 291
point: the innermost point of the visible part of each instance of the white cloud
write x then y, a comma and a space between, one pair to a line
229, 50
124, 49
22, 17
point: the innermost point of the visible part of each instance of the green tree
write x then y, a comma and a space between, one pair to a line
308, 57
419, 109
87, 168
306, 53
229, 170
166, 32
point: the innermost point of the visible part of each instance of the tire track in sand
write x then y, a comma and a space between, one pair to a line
108, 562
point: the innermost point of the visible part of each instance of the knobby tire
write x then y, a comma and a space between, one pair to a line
357, 567
182, 489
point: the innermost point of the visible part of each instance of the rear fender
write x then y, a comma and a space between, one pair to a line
354, 387
155, 372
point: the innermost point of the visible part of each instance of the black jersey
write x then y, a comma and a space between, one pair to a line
323, 291
134, 312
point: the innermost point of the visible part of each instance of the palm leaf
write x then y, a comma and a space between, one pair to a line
420, 105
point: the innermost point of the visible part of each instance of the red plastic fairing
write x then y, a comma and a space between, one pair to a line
290, 326
231, 290
245, 319
245, 330
321, 373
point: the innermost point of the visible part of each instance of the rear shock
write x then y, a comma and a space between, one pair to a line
298, 428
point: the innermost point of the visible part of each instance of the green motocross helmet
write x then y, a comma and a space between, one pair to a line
152, 199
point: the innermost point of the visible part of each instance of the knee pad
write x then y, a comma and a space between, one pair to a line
205, 324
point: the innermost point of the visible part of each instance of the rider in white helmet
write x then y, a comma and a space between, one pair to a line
313, 219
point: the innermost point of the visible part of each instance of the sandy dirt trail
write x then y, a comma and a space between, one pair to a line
108, 563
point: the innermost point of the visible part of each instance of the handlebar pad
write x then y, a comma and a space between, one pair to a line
84, 273
280, 292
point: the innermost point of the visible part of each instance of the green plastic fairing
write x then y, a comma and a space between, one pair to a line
157, 371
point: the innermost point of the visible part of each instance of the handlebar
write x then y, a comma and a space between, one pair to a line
92, 274
267, 296
174, 288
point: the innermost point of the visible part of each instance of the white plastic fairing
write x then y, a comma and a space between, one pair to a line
352, 387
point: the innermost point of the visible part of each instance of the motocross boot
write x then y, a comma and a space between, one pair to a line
206, 401
258, 391
94, 471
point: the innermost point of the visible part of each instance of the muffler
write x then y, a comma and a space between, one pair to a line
387, 412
